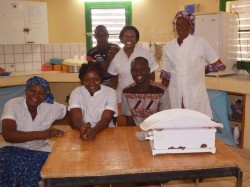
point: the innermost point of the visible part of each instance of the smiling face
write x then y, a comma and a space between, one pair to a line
35, 95
92, 82
183, 27
129, 39
140, 71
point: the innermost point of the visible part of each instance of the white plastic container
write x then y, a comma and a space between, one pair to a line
180, 131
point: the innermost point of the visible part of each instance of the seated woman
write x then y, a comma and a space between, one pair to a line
92, 105
26, 125
144, 97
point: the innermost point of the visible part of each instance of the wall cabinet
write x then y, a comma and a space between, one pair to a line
237, 104
23, 22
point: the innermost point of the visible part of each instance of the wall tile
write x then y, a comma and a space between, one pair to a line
57, 55
48, 48
74, 48
1, 49
57, 48
42, 48
18, 48
10, 67
47, 57
36, 48
18, 58
9, 58
19, 66
31, 57
65, 48
42, 57
82, 48
37, 65
2, 66
27, 49
1, 59
65, 55
8, 49
28, 66
27, 57
37, 57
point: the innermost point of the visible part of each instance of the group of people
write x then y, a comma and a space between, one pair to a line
113, 76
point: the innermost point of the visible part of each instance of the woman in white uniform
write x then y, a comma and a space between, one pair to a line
92, 105
187, 59
26, 130
120, 65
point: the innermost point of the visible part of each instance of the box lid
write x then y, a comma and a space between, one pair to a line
178, 118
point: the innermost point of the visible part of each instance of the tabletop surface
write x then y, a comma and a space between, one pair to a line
116, 151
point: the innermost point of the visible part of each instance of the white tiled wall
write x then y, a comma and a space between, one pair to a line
31, 57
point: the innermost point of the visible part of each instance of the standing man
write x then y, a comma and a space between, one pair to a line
103, 52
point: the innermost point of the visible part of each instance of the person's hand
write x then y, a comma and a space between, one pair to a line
113, 50
90, 134
84, 130
52, 132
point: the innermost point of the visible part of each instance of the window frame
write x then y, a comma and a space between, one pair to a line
104, 5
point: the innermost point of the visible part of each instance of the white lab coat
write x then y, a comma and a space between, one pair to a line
186, 63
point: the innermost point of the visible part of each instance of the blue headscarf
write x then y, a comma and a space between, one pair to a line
35, 80
188, 16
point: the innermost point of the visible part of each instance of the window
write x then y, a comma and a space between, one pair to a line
114, 15
242, 9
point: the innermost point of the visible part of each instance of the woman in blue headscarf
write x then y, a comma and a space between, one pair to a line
187, 59
26, 125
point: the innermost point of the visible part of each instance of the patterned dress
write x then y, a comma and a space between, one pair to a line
142, 105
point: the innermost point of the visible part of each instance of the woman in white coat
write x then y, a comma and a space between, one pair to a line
187, 59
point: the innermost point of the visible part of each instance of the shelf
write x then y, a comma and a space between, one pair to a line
235, 120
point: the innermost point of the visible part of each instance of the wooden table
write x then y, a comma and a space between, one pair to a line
116, 156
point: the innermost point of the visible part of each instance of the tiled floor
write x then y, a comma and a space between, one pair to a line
212, 182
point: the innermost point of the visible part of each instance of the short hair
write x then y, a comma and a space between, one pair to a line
132, 28
141, 59
90, 66
101, 27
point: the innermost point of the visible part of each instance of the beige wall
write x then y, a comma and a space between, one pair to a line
152, 18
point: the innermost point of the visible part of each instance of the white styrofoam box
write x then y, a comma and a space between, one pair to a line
178, 118
180, 131
182, 140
